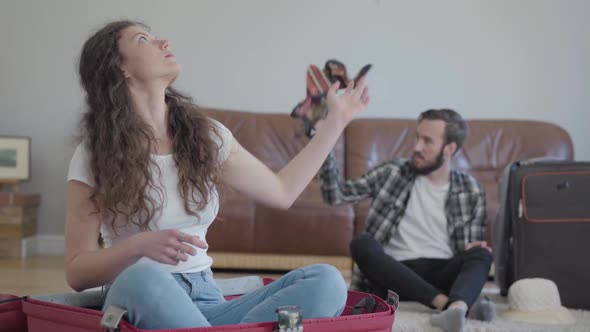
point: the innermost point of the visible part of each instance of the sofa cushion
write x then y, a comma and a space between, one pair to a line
245, 226
309, 227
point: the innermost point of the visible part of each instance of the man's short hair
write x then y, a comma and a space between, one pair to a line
455, 128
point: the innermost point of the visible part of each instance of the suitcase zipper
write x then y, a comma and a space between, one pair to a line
13, 299
290, 319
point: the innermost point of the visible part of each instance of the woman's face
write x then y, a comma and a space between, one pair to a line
146, 59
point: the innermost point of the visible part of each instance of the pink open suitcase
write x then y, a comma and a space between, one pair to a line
364, 312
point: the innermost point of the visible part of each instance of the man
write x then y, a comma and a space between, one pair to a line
425, 227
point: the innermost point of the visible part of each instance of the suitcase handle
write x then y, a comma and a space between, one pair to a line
112, 317
392, 299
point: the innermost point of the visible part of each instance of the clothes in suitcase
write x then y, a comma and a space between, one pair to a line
542, 229
55, 312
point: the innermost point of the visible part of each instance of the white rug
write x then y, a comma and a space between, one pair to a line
414, 317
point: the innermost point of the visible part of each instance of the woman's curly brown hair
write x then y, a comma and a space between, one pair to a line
120, 142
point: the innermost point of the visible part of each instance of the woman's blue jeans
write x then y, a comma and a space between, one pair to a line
157, 299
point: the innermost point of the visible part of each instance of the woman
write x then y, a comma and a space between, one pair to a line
144, 179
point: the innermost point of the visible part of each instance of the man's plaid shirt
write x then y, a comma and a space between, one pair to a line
389, 185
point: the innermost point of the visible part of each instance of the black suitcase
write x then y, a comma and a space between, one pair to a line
542, 229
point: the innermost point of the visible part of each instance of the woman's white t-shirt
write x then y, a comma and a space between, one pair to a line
172, 215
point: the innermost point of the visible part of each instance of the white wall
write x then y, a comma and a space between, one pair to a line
487, 59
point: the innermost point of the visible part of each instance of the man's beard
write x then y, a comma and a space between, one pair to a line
428, 168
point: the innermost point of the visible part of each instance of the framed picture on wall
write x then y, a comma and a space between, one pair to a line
15, 157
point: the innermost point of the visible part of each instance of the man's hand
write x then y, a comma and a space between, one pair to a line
482, 244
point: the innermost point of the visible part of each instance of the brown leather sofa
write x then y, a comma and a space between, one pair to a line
251, 236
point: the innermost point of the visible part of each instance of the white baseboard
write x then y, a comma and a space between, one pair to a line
42, 245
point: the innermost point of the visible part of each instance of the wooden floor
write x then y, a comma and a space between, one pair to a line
45, 274
34, 275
